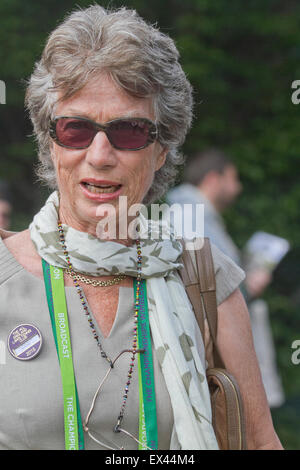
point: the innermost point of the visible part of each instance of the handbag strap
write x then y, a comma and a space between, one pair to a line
198, 277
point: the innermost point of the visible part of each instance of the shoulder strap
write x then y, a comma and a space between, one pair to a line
198, 277
190, 279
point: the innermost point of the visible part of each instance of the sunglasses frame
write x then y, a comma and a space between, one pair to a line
117, 428
153, 132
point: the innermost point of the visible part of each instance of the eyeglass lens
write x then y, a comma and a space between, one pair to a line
126, 134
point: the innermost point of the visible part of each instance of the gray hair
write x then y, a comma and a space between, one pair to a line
136, 55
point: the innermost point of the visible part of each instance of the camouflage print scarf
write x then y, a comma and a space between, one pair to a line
95, 257
172, 321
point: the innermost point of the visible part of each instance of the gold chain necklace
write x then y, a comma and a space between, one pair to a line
90, 282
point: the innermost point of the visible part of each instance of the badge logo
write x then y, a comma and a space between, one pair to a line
24, 342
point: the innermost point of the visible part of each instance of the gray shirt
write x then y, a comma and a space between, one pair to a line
214, 226
31, 402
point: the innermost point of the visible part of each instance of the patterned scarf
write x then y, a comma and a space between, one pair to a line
172, 321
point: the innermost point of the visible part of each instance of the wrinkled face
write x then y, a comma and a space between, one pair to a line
100, 174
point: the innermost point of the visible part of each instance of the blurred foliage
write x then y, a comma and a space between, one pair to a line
241, 58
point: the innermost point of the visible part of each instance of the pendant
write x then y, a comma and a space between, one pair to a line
24, 342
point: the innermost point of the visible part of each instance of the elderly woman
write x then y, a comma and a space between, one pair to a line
110, 105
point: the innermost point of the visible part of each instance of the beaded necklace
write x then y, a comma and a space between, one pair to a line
92, 326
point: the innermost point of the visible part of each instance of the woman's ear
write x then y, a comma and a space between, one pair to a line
161, 158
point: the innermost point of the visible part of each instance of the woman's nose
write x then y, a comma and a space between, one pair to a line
101, 153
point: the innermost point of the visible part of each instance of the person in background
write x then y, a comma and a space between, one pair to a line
5, 206
212, 179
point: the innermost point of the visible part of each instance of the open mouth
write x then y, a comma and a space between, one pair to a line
97, 188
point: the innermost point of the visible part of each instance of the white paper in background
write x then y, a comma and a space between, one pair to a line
270, 248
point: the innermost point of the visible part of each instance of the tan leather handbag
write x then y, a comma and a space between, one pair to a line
198, 276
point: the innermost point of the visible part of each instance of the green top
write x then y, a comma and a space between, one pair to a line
31, 403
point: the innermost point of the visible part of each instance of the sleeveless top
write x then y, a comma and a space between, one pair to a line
31, 401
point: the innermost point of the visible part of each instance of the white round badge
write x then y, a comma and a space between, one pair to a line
24, 342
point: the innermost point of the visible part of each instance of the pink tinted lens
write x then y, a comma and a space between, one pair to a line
75, 132
128, 134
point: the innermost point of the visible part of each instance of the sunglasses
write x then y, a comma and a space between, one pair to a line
76, 132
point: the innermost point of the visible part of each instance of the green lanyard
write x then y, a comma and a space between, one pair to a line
54, 283
147, 400
74, 440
